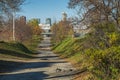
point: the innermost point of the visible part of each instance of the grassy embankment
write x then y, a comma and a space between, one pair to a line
11, 53
99, 54
17, 49
33, 43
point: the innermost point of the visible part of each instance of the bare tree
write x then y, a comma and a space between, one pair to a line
23, 30
9, 5
116, 11
97, 10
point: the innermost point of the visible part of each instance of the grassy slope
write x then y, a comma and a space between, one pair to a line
33, 43
13, 52
14, 46
14, 49
73, 50
69, 48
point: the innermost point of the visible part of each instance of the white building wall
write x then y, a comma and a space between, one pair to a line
45, 26
46, 29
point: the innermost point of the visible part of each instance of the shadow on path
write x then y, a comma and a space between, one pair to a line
42, 66
10, 66
14, 53
23, 76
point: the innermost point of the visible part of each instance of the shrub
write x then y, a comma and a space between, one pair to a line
105, 64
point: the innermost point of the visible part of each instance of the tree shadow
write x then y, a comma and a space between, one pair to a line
25, 76
14, 53
51, 58
10, 66
68, 73
60, 76
44, 55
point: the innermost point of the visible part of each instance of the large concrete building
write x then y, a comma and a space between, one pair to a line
48, 21
39, 21
46, 28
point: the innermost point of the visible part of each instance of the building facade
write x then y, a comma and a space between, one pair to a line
48, 21
46, 28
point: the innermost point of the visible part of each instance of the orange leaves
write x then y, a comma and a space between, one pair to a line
37, 30
61, 30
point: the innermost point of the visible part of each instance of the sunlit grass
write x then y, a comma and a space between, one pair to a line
32, 44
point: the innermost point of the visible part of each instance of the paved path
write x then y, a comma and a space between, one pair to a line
46, 66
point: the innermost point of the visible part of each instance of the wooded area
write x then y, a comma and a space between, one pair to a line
23, 30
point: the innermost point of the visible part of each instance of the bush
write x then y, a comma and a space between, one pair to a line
99, 51
105, 63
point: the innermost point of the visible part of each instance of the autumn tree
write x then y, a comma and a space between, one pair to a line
7, 8
34, 23
104, 18
61, 30
97, 11
23, 30
101, 14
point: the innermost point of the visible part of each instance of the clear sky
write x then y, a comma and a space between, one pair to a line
45, 9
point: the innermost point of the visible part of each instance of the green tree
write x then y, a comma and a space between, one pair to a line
33, 22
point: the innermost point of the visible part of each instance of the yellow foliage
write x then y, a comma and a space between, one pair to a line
37, 30
113, 37
61, 30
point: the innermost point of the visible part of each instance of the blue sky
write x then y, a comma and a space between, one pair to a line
45, 9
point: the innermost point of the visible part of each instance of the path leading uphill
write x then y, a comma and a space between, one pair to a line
46, 66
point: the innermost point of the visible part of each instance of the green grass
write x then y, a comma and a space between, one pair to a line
32, 44
12, 52
14, 49
62, 46
14, 46
68, 47
99, 62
